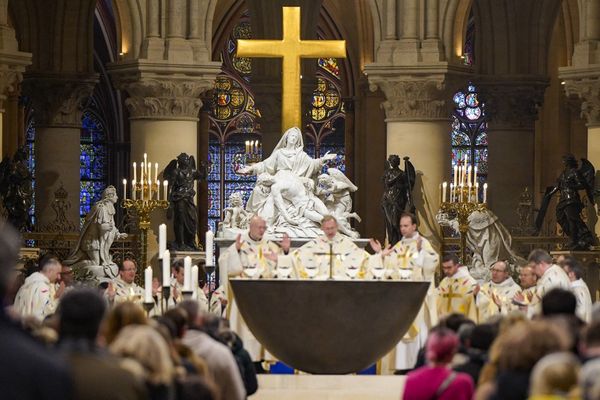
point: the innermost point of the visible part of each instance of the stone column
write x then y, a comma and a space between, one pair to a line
418, 126
512, 107
58, 104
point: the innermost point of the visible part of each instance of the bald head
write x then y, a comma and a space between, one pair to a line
500, 272
329, 226
258, 226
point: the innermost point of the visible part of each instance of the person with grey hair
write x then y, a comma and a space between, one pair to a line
27, 371
555, 373
589, 384
579, 288
549, 275
38, 297
495, 296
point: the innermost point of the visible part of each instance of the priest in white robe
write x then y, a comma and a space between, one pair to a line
332, 256
457, 291
123, 287
251, 256
412, 258
495, 297
574, 271
177, 286
549, 275
39, 297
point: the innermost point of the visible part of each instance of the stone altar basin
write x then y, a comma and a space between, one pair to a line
328, 326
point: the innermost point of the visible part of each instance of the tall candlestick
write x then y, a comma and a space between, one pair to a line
124, 189
444, 191
166, 269
485, 186
148, 285
162, 240
195, 284
209, 249
187, 273
134, 171
166, 186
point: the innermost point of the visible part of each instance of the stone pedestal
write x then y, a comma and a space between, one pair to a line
591, 268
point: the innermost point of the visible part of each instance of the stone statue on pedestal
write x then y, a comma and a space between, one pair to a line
569, 207
181, 174
397, 195
97, 236
16, 189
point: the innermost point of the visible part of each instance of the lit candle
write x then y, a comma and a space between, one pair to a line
187, 273
149, 171
485, 186
149, 189
134, 172
166, 186
142, 189
469, 174
133, 190
195, 284
247, 146
476, 190
157, 189
145, 158
166, 269
208, 248
451, 192
142, 171
455, 174
475, 175
156, 171
469, 198
162, 240
444, 185
124, 189
148, 285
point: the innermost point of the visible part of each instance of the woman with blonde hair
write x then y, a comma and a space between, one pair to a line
122, 315
555, 376
146, 354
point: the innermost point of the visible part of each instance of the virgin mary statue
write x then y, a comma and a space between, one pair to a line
283, 193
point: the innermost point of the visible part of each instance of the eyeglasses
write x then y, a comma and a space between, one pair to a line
497, 270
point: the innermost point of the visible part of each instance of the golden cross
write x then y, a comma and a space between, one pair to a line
291, 48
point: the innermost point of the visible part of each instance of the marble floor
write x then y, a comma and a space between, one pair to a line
329, 387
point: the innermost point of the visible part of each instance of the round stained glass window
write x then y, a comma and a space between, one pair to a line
473, 113
472, 100
459, 99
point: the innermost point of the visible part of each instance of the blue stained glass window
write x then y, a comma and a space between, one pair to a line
92, 162
30, 139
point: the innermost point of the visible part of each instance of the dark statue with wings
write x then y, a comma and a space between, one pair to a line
16, 189
568, 210
397, 195
181, 174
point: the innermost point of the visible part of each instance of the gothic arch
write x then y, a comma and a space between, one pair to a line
129, 16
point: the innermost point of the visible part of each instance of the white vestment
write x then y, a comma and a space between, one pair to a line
250, 263
503, 291
455, 295
36, 298
584, 300
406, 262
127, 291
554, 277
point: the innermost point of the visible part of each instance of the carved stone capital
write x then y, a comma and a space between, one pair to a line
58, 100
12, 66
587, 91
164, 92
513, 104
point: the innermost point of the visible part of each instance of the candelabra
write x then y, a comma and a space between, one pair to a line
462, 199
145, 198
253, 152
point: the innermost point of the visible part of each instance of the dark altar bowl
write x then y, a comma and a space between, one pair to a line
328, 327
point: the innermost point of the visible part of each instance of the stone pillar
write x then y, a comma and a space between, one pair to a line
512, 107
418, 126
58, 104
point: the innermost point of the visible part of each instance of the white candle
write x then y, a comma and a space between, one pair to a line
166, 268
142, 189
469, 198
148, 285
166, 186
469, 174
444, 191
133, 193
476, 190
485, 186
187, 273
124, 189
149, 189
451, 192
247, 146
157, 189
195, 284
209, 249
142, 172
156, 171
475, 175
162, 240
455, 174
134, 171
145, 158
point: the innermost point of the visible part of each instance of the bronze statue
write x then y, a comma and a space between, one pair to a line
568, 210
182, 174
16, 189
397, 194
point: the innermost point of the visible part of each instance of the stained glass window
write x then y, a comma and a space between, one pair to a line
469, 131
30, 143
93, 165
469, 44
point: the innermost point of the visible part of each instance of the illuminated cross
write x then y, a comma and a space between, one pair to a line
291, 48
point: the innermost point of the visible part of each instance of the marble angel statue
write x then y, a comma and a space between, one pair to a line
334, 189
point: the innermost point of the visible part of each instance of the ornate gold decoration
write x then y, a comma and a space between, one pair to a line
291, 48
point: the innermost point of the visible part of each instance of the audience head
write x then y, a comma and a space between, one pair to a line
540, 260
127, 270
558, 301
257, 227
195, 316
81, 312
572, 268
589, 383
454, 321
329, 226
179, 271
441, 346
483, 336
50, 266
408, 224
122, 315
10, 245
555, 374
180, 319
450, 264
590, 340
500, 271
145, 345
527, 276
